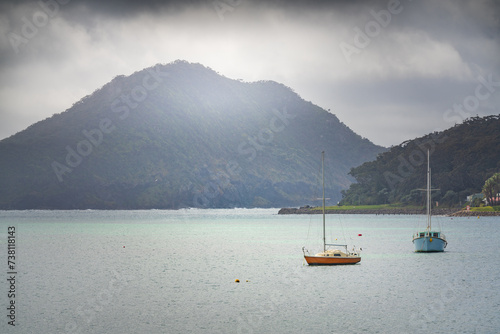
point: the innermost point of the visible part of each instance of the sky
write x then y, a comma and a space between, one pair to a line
390, 70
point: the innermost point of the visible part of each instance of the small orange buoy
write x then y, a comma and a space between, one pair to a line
236, 280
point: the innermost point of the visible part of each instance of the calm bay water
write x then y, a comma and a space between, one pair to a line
174, 272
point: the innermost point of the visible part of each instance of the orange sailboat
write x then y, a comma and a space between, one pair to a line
330, 256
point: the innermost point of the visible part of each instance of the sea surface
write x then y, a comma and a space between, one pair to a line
174, 272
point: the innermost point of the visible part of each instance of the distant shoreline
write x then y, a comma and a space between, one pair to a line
389, 211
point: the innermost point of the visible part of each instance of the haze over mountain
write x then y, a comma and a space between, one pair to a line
180, 135
410, 62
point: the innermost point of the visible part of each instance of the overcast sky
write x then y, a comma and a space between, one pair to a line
390, 70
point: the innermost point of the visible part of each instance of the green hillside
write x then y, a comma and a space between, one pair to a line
180, 135
462, 159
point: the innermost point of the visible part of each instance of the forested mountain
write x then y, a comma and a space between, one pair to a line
462, 158
180, 135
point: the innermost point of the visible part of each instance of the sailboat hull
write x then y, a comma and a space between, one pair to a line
330, 261
428, 244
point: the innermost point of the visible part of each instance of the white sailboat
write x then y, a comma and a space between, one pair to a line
330, 256
429, 240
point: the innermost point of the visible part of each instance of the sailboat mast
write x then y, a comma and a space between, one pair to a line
323, 177
428, 191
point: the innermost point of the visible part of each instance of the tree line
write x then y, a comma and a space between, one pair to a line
462, 158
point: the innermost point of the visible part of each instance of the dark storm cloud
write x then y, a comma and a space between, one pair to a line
389, 84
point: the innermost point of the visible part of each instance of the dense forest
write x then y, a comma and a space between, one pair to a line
180, 135
462, 158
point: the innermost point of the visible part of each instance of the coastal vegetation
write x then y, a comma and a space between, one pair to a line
461, 157
485, 209
491, 189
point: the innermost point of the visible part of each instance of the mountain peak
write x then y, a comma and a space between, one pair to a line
179, 135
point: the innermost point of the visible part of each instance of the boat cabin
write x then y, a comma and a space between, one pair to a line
332, 252
431, 234
336, 252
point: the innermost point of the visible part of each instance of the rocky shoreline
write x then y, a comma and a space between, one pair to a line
401, 211
464, 213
